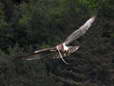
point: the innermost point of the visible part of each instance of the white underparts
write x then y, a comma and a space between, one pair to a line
66, 48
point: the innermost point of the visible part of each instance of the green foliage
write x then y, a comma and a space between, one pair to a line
43, 23
3, 23
26, 13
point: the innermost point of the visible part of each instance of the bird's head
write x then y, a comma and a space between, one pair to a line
60, 47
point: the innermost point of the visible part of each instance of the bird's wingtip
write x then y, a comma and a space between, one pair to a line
93, 17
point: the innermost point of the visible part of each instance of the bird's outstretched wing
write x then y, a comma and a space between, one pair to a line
81, 31
38, 54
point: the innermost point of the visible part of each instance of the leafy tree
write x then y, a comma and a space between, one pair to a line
29, 24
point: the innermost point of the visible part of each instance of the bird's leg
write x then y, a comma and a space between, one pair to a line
61, 56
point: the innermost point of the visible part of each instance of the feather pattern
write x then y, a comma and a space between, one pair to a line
81, 31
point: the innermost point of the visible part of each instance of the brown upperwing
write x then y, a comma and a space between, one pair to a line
45, 50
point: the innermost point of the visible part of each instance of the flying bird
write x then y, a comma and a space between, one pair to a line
63, 49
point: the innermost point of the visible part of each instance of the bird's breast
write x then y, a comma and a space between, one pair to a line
66, 48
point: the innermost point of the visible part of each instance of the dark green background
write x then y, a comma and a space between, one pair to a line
27, 25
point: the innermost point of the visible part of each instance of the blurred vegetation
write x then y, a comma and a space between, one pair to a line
27, 25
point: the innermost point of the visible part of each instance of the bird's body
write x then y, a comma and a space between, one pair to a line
62, 47
65, 47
